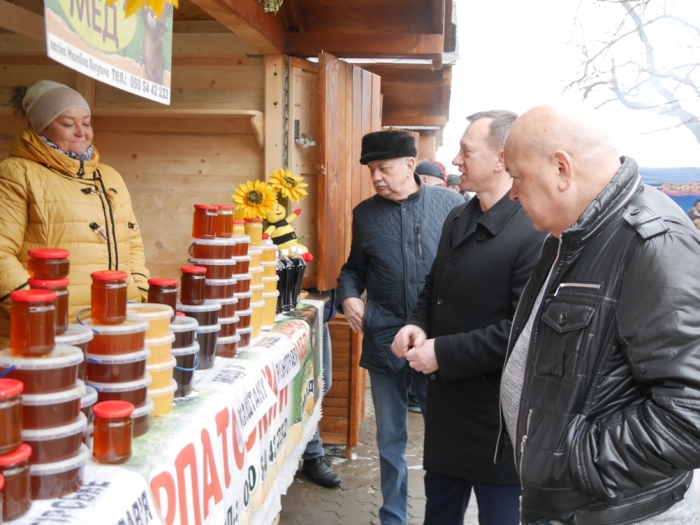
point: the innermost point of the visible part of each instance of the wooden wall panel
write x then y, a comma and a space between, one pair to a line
427, 148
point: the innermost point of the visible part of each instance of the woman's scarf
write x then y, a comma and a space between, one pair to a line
77, 156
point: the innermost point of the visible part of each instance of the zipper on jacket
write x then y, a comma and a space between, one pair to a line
81, 170
522, 444
588, 286
420, 245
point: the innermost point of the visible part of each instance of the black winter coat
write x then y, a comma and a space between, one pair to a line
609, 422
393, 247
467, 305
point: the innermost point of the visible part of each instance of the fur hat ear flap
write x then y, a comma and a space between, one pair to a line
381, 145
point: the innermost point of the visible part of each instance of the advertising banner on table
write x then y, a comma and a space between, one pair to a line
130, 53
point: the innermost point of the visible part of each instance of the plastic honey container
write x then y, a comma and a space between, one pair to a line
256, 273
242, 264
269, 268
216, 268
183, 373
244, 300
242, 244
244, 318
269, 251
256, 318
228, 326
227, 346
87, 402
10, 415
163, 399
140, 418
52, 410
160, 349
57, 443
242, 282
53, 480
206, 337
245, 335
17, 494
32, 322
270, 283
40, 375
255, 256
206, 314
270, 309
135, 392
219, 288
256, 292
228, 306
183, 328
79, 336
125, 338
161, 373
157, 315
120, 368
212, 248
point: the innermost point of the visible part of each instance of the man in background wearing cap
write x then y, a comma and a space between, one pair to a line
394, 240
430, 173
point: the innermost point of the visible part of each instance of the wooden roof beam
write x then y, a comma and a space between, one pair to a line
365, 45
247, 19
22, 21
295, 15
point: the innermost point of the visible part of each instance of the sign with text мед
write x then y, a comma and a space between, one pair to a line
133, 54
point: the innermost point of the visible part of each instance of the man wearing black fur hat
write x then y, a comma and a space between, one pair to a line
394, 240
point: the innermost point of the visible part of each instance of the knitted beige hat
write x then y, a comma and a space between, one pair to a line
46, 100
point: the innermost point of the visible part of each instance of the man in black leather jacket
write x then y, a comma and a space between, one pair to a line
601, 389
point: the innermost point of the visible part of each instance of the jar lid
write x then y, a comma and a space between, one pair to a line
112, 409
228, 340
220, 282
18, 455
2, 481
10, 387
242, 276
244, 313
47, 434
276, 293
55, 398
228, 241
208, 306
170, 363
48, 253
208, 328
252, 219
32, 296
255, 269
150, 311
242, 258
179, 314
75, 335
133, 324
144, 409
255, 250
109, 275
205, 207
211, 262
229, 320
57, 467
122, 387
62, 356
257, 304
246, 330
48, 283
256, 287
225, 207
163, 391
271, 278
228, 300
185, 350
269, 263
241, 239
268, 245
119, 359
157, 341
243, 295
193, 269
162, 281
182, 323
90, 397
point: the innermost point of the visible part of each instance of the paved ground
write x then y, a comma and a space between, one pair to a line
357, 500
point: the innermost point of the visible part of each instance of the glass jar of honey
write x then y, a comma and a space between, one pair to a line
32, 322
238, 227
204, 221
48, 263
192, 285
254, 229
108, 297
17, 495
163, 290
224, 221
113, 431
10, 415
60, 286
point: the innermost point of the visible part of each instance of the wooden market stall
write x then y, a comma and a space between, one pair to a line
246, 100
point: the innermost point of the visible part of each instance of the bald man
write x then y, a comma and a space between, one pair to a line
601, 390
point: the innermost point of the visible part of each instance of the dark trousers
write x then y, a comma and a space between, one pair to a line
448, 497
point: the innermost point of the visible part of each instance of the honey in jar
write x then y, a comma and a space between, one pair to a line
204, 221
163, 290
10, 415
60, 286
113, 431
48, 263
32, 322
108, 297
254, 229
238, 227
17, 496
224, 221
192, 285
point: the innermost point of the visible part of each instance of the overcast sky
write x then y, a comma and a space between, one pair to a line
517, 54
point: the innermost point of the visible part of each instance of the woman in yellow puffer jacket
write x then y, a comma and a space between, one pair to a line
54, 193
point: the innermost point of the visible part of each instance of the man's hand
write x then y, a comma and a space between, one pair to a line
410, 335
422, 358
354, 311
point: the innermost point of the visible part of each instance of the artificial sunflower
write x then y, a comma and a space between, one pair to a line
290, 186
132, 6
254, 199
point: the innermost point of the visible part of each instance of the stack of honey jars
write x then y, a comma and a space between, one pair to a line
117, 353
269, 279
185, 351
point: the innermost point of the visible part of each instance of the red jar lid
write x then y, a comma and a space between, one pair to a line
252, 219
32, 296
2, 481
205, 207
225, 207
238, 221
162, 281
112, 409
49, 283
109, 275
180, 314
48, 253
193, 269
10, 387
18, 455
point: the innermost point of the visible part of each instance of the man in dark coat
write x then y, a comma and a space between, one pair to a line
394, 239
458, 333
